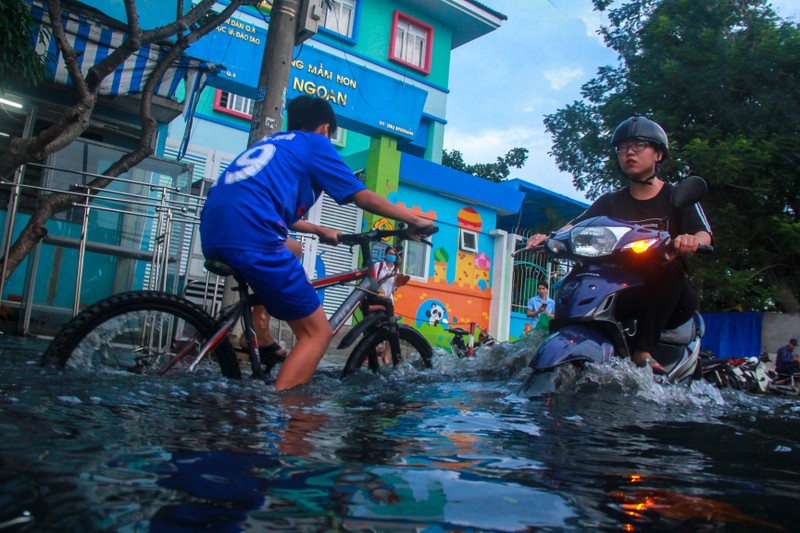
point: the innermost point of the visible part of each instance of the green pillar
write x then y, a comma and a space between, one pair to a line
382, 174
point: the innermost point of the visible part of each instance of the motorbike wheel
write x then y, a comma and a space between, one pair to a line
733, 379
716, 378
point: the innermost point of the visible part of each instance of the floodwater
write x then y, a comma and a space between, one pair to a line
459, 448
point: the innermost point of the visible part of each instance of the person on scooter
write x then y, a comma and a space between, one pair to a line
787, 362
667, 299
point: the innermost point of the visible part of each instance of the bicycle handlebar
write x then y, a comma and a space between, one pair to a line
374, 235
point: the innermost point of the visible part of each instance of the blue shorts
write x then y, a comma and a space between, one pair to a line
277, 279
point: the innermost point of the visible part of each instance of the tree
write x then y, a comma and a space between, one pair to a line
722, 78
185, 30
18, 61
494, 172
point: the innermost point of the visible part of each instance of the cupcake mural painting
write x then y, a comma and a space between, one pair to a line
482, 266
469, 226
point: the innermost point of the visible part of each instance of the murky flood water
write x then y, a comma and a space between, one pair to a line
461, 448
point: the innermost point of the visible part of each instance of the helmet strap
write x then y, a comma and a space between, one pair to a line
646, 181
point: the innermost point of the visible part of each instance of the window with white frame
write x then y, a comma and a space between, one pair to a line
339, 16
416, 257
340, 137
411, 42
233, 104
468, 241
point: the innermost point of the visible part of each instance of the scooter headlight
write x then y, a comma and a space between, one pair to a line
595, 241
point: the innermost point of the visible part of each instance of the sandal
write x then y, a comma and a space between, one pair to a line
270, 354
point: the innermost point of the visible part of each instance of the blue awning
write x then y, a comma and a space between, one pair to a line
542, 209
94, 40
456, 184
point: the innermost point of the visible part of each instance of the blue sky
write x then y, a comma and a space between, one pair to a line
504, 83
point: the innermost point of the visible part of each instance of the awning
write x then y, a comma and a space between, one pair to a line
542, 210
95, 40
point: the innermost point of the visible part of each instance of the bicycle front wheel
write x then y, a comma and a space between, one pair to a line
142, 332
414, 349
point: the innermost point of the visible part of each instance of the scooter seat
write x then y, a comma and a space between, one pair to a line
680, 336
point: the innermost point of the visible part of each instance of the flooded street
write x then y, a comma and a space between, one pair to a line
461, 447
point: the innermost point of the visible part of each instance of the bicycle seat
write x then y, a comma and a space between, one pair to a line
219, 268
458, 331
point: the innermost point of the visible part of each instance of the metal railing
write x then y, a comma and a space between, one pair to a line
165, 205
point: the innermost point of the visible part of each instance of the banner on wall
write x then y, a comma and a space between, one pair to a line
365, 101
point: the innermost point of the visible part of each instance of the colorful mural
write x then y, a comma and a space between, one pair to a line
455, 293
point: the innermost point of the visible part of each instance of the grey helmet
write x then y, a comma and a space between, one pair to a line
642, 128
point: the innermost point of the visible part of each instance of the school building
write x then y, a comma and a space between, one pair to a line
383, 65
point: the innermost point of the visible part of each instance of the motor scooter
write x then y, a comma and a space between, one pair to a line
587, 327
466, 348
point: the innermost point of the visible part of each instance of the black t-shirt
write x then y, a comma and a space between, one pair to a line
655, 213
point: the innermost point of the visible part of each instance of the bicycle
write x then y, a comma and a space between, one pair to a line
157, 333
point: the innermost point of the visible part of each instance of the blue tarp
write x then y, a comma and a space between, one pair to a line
733, 334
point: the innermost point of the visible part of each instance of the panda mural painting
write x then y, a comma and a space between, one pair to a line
433, 313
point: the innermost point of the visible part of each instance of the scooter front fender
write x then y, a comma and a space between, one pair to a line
572, 344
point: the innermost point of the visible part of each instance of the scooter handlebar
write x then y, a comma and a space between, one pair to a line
705, 249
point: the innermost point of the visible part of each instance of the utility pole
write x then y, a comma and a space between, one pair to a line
283, 34
291, 22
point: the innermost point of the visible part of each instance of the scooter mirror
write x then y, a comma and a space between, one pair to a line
689, 192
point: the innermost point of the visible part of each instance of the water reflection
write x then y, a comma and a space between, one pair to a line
459, 448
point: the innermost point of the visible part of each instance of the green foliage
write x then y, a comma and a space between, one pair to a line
722, 78
18, 59
495, 172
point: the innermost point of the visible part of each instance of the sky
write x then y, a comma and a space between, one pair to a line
503, 84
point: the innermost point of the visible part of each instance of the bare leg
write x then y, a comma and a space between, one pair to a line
313, 335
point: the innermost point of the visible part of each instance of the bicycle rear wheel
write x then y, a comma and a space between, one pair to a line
414, 349
142, 332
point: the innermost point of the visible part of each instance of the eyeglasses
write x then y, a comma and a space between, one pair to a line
636, 147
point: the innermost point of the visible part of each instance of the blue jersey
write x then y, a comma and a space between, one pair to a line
271, 186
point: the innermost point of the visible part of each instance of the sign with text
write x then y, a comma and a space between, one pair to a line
364, 100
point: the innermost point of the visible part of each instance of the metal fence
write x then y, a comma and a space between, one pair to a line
529, 269
130, 234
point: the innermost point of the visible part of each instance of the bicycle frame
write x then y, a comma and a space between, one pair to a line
366, 286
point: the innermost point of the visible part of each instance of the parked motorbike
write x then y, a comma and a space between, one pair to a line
587, 328
465, 347
783, 384
740, 373
718, 371
749, 372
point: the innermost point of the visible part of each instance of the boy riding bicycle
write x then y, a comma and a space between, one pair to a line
264, 193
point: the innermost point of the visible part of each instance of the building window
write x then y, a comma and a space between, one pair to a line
340, 137
339, 17
416, 257
233, 104
411, 43
468, 241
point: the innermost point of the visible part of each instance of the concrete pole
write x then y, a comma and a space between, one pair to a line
273, 80
276, 65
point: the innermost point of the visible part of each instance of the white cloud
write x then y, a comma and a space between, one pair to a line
562, 76
593, 21
485, 146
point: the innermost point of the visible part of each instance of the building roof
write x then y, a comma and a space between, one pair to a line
458, 185
540, 209
468, 18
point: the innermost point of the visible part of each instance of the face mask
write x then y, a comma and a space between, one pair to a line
390, 258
